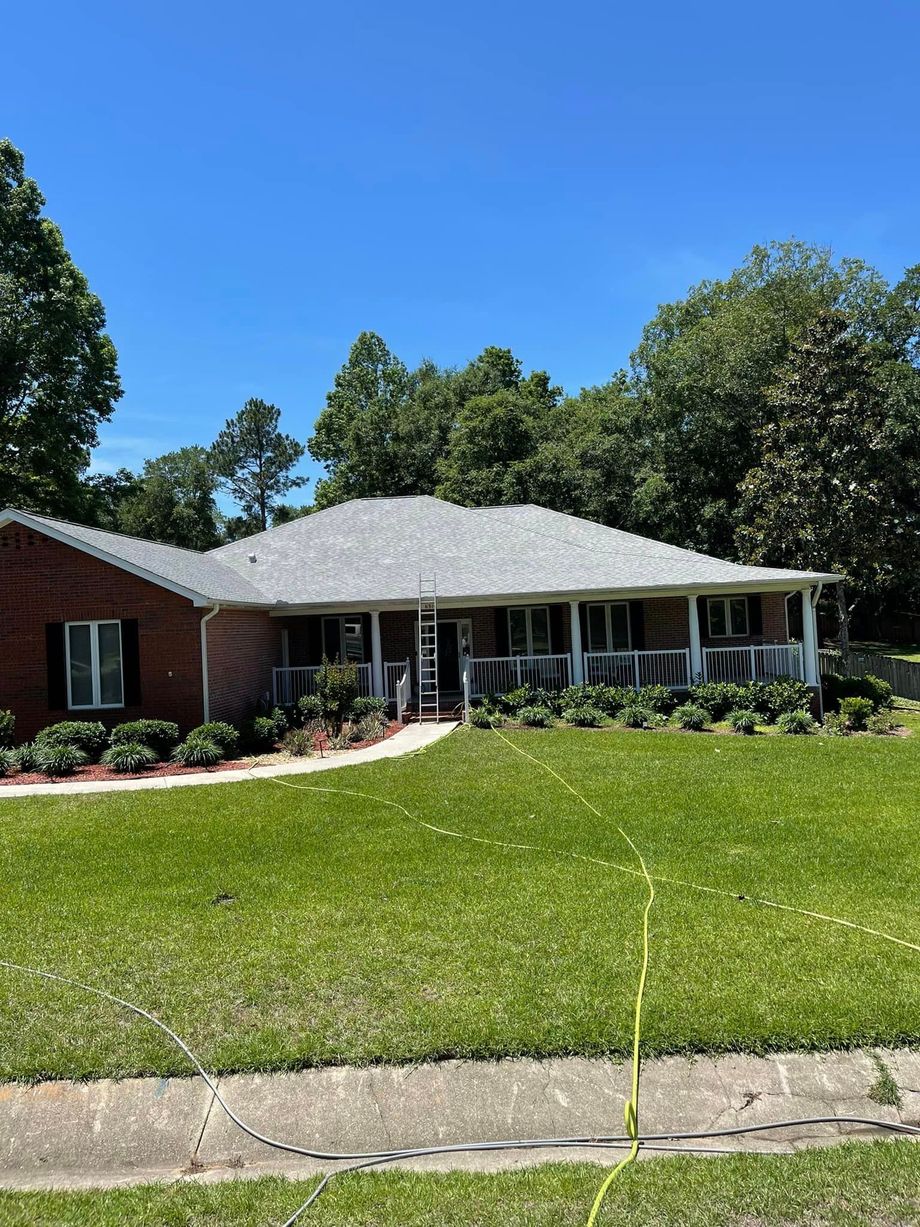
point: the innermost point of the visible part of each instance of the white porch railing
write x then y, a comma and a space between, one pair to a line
636, 669
754, 664
499, 674
393, 671
289, 685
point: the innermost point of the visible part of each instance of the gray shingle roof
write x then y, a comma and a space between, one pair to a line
370, 551
200, 575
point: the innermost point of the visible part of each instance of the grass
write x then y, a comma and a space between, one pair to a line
277, 929
860, 1184
904, 651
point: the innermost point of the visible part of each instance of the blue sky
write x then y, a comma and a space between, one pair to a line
249, 186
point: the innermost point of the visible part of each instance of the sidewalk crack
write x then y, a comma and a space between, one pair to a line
195, 1161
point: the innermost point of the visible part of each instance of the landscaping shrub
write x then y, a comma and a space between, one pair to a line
197, 751
87, 735
755, 696
7, 729
870, 687
371, 726
367, 705
279, 719
635, 716
129, 756
719, 698
658, 699
691, 716
584, 716
796, 722
535, 717
787, 694
223, 735
878, 691
159, 735
855, 712
309, 708
25, 756
834, 726
59, 758
742, 720
336, 688
298, 742
484, 717
7, 761
882, 723
607, 699
260, 734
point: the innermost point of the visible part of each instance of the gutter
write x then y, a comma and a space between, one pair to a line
205, 698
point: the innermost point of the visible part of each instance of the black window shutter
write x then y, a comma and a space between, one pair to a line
502, 642
702, 608
637, 625
313, 636
57, 666
755, 614
131, 661
555, 630
366, 636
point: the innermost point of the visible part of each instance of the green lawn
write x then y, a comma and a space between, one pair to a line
346, 933
906, 651
861, 1184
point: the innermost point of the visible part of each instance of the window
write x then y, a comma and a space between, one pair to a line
343, 638
528, 631
728, 616
94, 672
608, 627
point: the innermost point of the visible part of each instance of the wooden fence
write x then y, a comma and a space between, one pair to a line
902, 675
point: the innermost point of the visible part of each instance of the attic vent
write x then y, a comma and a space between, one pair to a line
252, 557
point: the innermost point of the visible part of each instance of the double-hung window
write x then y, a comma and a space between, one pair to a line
94, 665
608, 627
528, 630
728, 617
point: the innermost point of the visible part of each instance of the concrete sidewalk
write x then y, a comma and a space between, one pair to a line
409, 739
101, 1134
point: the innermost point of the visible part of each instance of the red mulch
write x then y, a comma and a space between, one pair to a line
95, 771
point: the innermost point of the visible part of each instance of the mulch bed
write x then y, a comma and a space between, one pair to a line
95, 771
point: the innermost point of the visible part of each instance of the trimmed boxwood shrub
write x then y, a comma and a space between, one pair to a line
692, 717
7, 760
535, 717
7, 728
87, 735
260, 733
870, 687
129, 756
63, 758
220, 733
197, 751
719, 698
788, 694
608, 699
657, 698
742, 720
855, 712
796, 722
367, 705
584, 716
160, 735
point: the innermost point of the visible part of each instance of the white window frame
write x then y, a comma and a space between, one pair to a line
607, 606
97, 704
527, 611
725, 602
342, 619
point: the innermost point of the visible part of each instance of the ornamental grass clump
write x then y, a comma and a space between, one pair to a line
127, 756
221, 734
535, 717
59, 759
692, 717
796, 723
197, 751
585, 716
743, 721
7, 761
635, 716
87, 735
160, 735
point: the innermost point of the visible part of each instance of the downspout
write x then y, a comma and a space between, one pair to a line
205, 697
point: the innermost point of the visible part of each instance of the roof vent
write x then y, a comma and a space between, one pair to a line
252, 557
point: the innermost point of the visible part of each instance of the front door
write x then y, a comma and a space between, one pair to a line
453, 635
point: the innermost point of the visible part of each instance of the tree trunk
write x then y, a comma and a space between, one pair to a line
844, 618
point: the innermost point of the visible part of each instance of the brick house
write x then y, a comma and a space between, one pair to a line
99, 625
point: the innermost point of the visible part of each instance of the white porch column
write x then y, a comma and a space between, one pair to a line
809, 638
376, 655
696, 647
578, 659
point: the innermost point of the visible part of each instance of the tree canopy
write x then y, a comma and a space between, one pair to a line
173, 501
254, 458
58, 368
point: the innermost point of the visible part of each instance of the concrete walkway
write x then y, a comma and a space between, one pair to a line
409, 739
101, 1134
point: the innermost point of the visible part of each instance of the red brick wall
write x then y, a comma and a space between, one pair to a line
41, 581
397, 632
667, 623
244, 645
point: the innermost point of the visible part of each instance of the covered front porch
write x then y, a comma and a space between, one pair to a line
670, 640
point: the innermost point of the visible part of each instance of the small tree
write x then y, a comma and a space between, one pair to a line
254, 459
336, 688
173, 501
